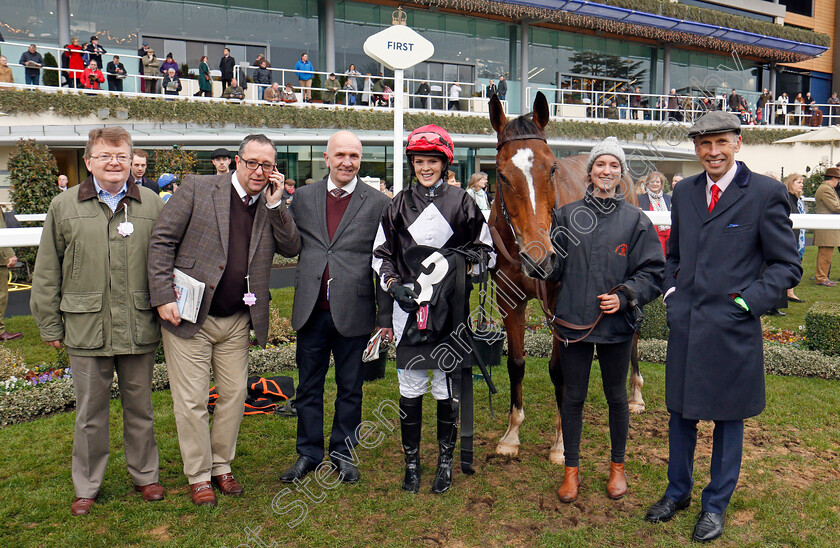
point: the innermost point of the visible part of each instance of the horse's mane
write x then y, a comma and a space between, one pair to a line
522, 125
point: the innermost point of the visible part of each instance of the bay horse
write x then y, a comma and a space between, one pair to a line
531, 182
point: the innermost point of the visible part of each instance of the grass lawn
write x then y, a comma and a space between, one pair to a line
787, 495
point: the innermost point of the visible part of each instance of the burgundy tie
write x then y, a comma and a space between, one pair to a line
715, 195
246, 200
338, 192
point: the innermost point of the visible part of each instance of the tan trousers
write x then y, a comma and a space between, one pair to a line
92, 376
306, 89
823, 263
221, 343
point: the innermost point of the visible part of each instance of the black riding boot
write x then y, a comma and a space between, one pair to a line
447, 435
410, 425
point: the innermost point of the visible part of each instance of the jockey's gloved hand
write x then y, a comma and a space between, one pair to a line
404, 296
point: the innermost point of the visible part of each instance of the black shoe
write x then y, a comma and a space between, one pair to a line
298, 470
665, 508
709, 526
447, 415
775, 312
346, 471
796, 300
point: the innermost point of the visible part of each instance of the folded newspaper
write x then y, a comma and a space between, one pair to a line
372, 350
188, 295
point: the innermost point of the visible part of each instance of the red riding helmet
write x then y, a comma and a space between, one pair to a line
431, 139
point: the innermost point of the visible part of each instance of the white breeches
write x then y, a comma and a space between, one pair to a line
415, 383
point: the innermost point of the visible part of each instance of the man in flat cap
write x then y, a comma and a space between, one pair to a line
221, 160
725, 224
827, 201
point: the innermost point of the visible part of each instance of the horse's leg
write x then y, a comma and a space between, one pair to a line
636, 403
515, 326
556, 454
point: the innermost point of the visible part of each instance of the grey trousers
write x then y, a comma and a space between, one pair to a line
92, 376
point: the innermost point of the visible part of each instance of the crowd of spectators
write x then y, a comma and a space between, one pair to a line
629, 103
82, 66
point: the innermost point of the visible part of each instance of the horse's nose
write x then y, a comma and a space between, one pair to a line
538, 270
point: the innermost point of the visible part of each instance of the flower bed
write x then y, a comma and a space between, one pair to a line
58, 395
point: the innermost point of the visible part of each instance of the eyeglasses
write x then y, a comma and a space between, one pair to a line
253, 164
108, 158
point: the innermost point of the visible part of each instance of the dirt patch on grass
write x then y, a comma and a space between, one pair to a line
160, 534
594, 509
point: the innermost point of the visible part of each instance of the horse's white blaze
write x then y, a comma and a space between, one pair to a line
524, 160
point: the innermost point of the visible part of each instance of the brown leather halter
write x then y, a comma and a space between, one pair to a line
494, 233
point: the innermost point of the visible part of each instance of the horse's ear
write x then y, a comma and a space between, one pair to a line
497, 114
541, 110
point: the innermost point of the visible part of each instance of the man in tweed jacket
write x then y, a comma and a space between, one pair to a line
221, 230
335, 307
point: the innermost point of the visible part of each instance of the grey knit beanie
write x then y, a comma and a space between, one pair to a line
609, 146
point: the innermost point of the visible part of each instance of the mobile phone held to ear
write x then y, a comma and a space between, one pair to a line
272, 186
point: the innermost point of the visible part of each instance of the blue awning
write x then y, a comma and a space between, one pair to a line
623, 15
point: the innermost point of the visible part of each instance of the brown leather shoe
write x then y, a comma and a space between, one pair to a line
6, 336
617, 485
150, 492
568, 492
227, 484
202, 494
81, 506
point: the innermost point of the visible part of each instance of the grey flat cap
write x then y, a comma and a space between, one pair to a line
715, 122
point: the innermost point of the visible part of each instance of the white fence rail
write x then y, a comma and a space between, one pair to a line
31, 237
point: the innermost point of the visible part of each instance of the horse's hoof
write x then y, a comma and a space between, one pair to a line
507, 450
637, 408
557, 457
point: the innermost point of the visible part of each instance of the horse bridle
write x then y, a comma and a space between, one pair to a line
494, 233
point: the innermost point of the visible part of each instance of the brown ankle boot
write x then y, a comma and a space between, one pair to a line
617, 486
568, 492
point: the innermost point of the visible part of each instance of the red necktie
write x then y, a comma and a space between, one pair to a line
715, 196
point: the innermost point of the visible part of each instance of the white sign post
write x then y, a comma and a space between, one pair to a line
398, 48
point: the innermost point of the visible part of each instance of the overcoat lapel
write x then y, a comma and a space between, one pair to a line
698, 197
733, 193
221, 199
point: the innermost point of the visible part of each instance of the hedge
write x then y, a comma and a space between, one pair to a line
58, 395
268, 116
779, 359
822, 328
654, 324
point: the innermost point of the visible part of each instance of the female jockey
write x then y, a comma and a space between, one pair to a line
427, 217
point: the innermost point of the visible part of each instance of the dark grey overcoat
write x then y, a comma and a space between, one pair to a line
715, 363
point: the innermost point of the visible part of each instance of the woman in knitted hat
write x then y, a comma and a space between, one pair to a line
610, 264
426, 219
